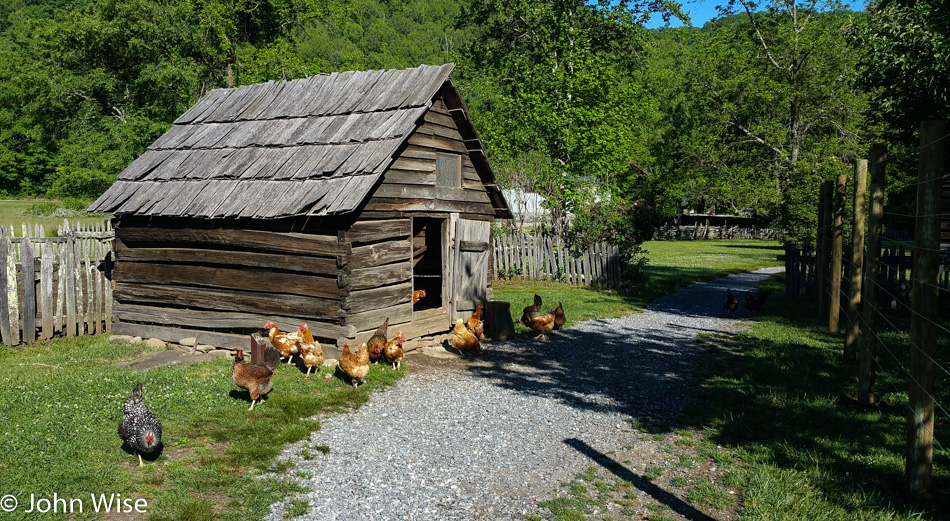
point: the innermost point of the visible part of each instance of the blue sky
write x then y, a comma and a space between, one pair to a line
701, 11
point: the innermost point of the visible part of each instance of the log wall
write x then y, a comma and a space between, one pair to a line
175, 278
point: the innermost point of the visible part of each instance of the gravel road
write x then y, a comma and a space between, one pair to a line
489, 438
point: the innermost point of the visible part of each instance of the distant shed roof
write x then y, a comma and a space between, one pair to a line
314, 146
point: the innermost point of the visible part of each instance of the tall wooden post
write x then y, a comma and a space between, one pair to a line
924, 300
837, 251
872, 276
823, 250
857, 261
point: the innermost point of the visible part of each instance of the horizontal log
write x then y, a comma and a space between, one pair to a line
438, 118
438, 143
376, 276
265, 281
379, 298
315, 265
175, 334
227, 321
290, 242
414, 164
441, 193
408, 177
381, 253
230, 300
373, 231
368, 320
379, 204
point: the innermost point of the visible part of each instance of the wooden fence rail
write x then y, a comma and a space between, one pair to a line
55, 285
707, 231
527, 257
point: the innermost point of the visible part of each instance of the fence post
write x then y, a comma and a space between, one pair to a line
924, 298
837, 250
823, 245
857, 261
866, 370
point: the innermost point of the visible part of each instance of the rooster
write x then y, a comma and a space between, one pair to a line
356, 366
377, 341
255, 378
540, 323
558, 313
285, 342
140, 428
732, 303
393, 350
755, 302
418, 295
475, 324
464, 340
310, 349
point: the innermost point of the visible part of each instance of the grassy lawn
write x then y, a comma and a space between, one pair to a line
63, 402
783, 402
50, 214
671, 265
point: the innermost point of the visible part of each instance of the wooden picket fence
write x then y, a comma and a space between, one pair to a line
55, 285
895, 279
529, 257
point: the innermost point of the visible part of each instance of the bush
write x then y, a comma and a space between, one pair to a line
624, 223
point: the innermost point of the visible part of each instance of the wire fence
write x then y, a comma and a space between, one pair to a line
894, 297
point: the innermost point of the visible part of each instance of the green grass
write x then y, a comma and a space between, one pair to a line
62, 403
671, 264
794, 439
48, 213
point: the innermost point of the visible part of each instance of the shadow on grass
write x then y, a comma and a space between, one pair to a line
676, 504
789, 403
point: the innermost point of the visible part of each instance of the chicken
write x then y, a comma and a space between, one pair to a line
418, 295
540, 323
532, 311
285, 342
755, 302
377, 341
558, 313
475, 324
255, 378
139, 428
356, 366
464, 340
393, 350
310, 350
732, 303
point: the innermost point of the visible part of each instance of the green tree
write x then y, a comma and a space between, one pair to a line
772, 110
554, 79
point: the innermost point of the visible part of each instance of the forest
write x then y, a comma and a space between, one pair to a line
575, 100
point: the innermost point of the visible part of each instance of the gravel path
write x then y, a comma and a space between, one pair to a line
495, 437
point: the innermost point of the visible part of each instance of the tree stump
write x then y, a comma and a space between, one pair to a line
498, 323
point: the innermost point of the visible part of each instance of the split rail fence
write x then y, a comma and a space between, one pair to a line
530, 257
55, 285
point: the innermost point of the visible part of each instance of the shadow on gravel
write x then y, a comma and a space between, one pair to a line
639, 365
676, 504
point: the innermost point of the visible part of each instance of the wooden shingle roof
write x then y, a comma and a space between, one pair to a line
314, 146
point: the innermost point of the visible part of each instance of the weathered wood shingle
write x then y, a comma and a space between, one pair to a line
314, 146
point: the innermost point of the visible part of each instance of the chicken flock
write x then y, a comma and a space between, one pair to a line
141, 429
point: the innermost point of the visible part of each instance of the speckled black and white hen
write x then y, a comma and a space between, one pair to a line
140, 428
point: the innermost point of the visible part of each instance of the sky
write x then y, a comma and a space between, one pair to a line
701, 11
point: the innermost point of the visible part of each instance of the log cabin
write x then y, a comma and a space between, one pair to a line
327, 200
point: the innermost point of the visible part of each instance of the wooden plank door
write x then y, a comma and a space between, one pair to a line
471, 247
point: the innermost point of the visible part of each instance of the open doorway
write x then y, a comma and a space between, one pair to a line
427, 264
